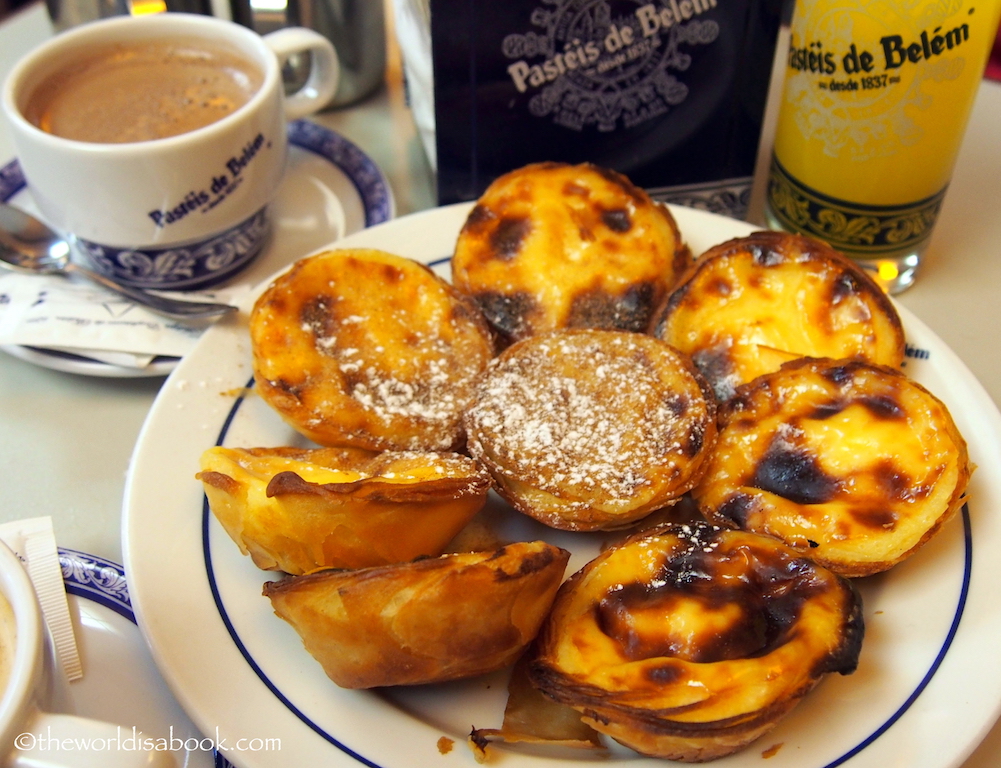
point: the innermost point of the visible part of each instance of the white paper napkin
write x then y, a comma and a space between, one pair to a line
76, 316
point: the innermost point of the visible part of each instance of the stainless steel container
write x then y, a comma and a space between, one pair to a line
355, 27
69, 13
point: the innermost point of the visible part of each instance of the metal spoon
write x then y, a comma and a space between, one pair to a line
27, 245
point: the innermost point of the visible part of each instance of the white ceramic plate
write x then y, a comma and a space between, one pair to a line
927, 689
120, 682
332, 188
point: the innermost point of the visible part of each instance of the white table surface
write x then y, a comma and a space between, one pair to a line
66, 440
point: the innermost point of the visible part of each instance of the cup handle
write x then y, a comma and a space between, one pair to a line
47, 737
324, 71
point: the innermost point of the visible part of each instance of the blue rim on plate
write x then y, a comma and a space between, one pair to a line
906, 704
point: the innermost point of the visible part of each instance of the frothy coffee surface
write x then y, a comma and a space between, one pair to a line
139, 92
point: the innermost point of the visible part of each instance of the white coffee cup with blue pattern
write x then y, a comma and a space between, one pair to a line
147, 207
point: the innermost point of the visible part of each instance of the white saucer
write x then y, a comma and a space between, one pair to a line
67, 362
332, 189
121, 684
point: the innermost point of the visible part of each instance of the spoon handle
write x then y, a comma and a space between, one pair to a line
177, 308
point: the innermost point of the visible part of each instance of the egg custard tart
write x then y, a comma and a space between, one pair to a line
752, 303
368, 349
591, 430
552, 245
300, 510
854, 465
689, 642
428, 621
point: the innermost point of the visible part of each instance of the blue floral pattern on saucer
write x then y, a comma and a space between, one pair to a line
377, 199
96, 579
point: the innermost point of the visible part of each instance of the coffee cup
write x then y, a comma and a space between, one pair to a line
156, 143
30, 734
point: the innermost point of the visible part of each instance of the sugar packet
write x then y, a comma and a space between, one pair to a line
34, 542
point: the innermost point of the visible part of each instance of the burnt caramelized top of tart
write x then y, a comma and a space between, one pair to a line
693, 630
856, 465
745, 613
553, 246
752, 303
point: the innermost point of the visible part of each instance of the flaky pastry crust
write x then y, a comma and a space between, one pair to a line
299, 510
368, 349
428, 621
591, 430
552, 245
689, 642
855, 465
750, 304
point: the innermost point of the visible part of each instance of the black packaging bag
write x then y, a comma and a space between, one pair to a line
671, 92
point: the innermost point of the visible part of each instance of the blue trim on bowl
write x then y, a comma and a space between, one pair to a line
939, 658
908, 702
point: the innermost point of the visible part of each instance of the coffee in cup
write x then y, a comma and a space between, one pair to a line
125, 92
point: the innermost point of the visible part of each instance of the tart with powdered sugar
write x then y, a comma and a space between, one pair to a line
591, 430
855, 465
688, 642
552, 245
750, 304
368, 349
